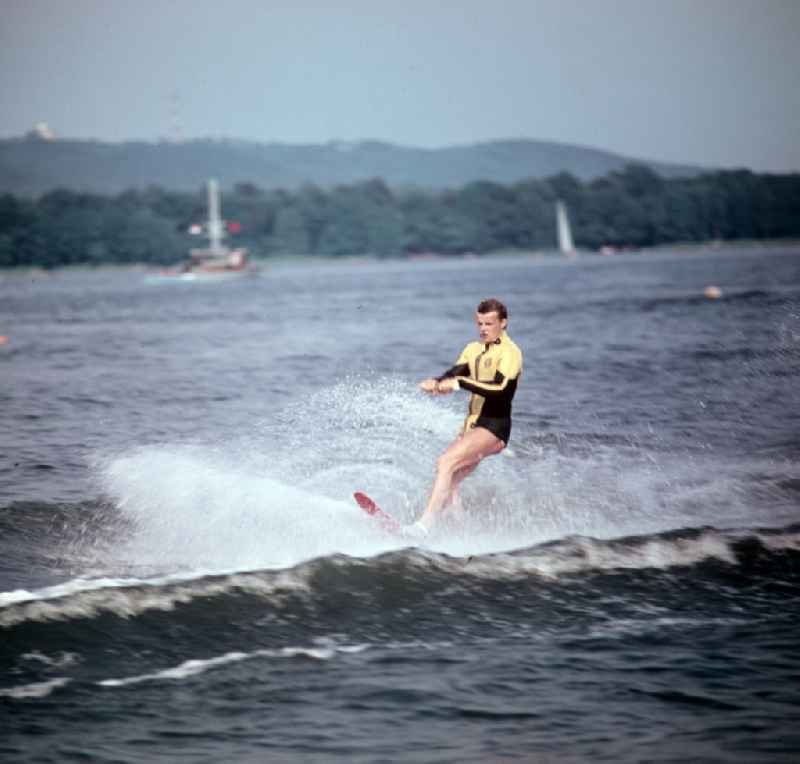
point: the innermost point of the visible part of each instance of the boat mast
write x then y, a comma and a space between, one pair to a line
215, 229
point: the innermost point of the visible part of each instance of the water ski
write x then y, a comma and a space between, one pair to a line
371, 508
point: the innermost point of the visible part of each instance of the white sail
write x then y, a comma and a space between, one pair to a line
565, 245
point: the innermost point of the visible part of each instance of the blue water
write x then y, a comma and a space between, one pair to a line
185, 577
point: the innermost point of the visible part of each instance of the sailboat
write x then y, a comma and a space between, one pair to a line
565, 244
215, 262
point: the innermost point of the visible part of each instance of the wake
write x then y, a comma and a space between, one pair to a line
282, 493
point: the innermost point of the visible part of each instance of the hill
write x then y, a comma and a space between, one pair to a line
31, 166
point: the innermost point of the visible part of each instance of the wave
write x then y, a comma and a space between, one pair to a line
197, 666
34, 689
409, 572
111, 633
185, 669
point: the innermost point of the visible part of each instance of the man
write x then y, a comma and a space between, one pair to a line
489, 370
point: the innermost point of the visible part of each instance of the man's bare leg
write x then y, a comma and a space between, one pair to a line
454, 499
459, 459
453, 506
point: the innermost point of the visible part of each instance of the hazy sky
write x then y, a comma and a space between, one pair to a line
712, 82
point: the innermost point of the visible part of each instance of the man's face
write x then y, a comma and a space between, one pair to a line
490, 326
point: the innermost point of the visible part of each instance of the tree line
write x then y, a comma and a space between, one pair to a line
633, 207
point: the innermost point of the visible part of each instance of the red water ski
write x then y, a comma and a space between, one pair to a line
371, 508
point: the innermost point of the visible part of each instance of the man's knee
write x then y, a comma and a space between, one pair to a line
450, 464
444, 465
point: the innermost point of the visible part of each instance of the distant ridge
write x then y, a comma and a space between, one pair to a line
31, 166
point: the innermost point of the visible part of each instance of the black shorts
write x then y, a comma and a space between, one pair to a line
500, 428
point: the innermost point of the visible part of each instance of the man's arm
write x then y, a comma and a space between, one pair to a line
459, 370
438, 385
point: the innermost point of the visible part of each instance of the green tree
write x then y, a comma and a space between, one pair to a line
289, 232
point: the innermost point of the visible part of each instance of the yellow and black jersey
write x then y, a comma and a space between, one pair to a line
491, 373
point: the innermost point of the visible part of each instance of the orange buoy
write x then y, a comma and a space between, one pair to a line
712, 292
3, 339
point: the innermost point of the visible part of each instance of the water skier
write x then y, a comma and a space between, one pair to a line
490, 370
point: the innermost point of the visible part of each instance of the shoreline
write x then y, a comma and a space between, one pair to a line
283, 260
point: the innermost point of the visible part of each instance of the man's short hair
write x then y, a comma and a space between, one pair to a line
493, 306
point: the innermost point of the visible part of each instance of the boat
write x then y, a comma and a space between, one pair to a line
216, 262
565, 244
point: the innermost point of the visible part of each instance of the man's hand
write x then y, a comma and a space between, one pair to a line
428, 386
435, 387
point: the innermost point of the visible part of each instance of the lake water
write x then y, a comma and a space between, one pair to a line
184, 575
